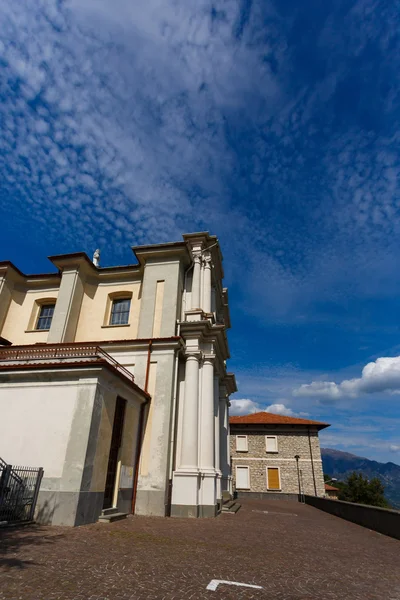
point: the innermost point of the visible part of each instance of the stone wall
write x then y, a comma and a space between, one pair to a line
290, 443
384, 520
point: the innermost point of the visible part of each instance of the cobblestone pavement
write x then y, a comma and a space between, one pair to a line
294, 552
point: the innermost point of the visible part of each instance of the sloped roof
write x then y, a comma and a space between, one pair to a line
265, 418
330, 488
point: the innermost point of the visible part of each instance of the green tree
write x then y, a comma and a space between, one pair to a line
359, 489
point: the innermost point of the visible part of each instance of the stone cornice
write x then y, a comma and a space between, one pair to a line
204, 331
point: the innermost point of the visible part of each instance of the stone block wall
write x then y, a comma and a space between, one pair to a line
290, 443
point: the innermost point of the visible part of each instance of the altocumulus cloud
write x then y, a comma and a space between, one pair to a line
383, 375
124, 120
114, 116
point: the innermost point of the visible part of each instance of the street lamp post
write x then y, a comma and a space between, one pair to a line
301, 496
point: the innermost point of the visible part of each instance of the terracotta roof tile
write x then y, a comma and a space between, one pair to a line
265, 418
330, 488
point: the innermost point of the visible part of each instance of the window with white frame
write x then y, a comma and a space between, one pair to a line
241, 443
271, 443
242, 478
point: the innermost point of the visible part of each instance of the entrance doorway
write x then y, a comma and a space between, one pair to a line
116, 439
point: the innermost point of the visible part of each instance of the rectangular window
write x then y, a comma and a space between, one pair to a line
273, 478
241, 443
45, 316
271, 443
242, 478
120, 311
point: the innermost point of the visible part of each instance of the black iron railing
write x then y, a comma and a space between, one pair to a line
19, 489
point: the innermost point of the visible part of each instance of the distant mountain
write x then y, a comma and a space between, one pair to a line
340, 464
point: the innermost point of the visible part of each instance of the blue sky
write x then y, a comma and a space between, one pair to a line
273, 124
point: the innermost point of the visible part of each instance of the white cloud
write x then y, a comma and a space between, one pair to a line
394, 447
246, 406
280, 409
243, 407
383, 375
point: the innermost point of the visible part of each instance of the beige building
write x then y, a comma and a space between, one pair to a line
114, 381
331, 492
275, 454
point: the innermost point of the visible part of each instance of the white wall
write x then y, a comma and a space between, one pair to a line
35, 422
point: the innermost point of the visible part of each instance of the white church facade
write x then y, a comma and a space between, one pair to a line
114, 381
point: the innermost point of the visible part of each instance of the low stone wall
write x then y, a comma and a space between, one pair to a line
266, 496
383, 520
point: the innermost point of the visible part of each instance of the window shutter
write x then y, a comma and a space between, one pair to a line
242, 478
273, 478
271, 443
241, 443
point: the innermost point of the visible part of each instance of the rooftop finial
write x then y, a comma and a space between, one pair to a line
96, 258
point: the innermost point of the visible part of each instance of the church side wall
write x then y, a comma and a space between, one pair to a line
93, 323
152, 489
17, 324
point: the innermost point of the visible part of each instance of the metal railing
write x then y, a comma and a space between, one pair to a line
61, 352
19, 489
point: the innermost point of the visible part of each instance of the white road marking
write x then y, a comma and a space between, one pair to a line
214, 583
270, 512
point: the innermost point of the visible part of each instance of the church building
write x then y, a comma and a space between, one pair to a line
114, 380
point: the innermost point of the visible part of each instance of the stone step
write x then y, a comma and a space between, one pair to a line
232, 510
109, 511
111, 518
228, 504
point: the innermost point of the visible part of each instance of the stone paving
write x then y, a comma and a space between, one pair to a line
295, 552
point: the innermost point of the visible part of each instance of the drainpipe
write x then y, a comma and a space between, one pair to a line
146, 383
140, 429
312, 463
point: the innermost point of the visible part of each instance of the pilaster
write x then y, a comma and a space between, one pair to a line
68, 305
196, 281
217, 445
224, 439
207, 283
5, 296
185, 489
208, 491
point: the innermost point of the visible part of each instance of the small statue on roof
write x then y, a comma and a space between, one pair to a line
96, 258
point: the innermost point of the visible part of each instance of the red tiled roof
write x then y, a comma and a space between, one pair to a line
265, 418
330, 488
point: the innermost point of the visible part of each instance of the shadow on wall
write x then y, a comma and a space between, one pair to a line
45, 511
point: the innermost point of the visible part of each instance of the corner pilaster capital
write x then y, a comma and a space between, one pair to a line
196, 254
193, 355
210, 358
207, 260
